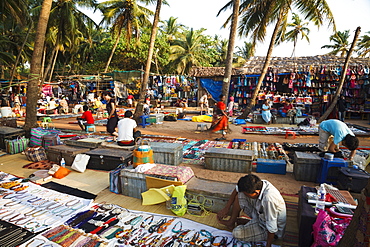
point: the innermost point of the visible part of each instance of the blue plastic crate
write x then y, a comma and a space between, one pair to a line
271, 166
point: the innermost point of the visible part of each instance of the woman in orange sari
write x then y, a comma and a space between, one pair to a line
220, 119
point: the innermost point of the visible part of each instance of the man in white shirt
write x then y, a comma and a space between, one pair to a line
127, 132
265, 206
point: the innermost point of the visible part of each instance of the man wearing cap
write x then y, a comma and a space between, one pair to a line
265, 206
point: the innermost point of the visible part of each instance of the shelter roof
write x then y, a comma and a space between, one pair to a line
282, 64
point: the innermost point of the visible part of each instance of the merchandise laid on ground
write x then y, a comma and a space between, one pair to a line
357, 130
38, 216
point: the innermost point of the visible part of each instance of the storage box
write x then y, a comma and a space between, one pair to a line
108, 159
271, 166
306, 166
10, 134
10, 122
133, 183
86, 142
232, 160
167, 153
352, 179
215, 193
56, 153
159, 117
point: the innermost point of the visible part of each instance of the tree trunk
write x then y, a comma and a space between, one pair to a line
343, 77
32, 87
252, 103
48, 68
113, 50
20, 53
144, 82
230, 50
52, 67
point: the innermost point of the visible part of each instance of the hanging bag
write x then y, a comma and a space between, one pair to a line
142, 154
80, 162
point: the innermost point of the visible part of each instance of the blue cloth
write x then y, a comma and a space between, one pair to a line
336, 128
266, 115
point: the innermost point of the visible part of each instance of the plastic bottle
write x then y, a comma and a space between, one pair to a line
168, 202
62, 163
320, 203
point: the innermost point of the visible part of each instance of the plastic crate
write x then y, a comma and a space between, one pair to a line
271, 166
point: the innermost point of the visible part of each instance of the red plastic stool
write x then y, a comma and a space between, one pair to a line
287, 133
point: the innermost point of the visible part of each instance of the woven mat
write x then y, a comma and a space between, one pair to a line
44, 165
290, 238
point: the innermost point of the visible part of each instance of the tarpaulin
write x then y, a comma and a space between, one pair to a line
214, 88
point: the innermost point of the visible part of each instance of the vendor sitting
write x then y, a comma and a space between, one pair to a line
127, 132
288, 111
86, 118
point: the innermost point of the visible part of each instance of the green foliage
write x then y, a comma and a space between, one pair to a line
341, 43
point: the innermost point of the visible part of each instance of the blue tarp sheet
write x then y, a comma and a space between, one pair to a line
214, 88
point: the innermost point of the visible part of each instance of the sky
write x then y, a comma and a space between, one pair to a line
348, 14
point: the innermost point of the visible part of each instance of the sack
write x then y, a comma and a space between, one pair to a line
35, 141
115, 184
80, 162
178, 200
35, 154
170, 118
327, 230
142, 154
17, 145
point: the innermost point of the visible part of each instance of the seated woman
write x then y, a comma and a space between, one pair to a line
288, 111
220, 119
266, 113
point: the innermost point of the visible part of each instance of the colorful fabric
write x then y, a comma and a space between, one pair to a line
182, 173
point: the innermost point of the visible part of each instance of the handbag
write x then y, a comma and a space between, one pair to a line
17, 145
115, 184
142, 154
35, 154
80, 162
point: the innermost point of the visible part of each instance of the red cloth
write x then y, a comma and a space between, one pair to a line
87, 115
221, 105
130, 97
287, 107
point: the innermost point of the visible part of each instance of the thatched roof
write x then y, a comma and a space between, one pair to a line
282, 64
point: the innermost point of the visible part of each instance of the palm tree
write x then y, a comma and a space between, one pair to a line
298, 29
247, 51
144, 83
342, 79
69, 26
341, 43
32, 87
256, 15
230, 49
171, 29
187, 51
123, 14
221, 49
363, 47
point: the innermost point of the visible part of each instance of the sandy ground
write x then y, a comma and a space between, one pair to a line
187, 129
